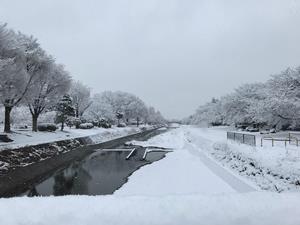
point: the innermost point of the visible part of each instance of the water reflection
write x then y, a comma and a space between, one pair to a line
100, 173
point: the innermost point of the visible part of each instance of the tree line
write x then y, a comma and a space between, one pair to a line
274, 103
31, 78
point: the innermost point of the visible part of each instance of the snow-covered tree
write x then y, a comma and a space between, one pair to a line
121, 102
81, 96
136, 109
107, 104
283, 99
100, 109
154, 116
18, 55
64, 109
119, 116
273, 103
47, 88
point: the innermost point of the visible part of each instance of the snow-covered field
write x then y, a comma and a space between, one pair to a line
189, 186
271, 168
25, 138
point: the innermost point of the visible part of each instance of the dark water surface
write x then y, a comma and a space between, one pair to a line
100, 173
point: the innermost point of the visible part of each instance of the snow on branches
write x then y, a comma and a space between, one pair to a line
273, 103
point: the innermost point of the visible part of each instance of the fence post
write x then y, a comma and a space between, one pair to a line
243, 138
272, 142
234, 136
285, 143
289, 137
254, 140
261, 142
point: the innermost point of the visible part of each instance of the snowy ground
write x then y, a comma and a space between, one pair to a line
186, 170
270, 168
231, 209
26, 137
187, 187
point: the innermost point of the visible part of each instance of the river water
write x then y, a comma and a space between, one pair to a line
100, 173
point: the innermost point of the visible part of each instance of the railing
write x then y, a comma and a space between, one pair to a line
289, 140
248, 139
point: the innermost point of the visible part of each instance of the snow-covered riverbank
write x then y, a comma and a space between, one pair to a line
183, 171
26, 138
270, 168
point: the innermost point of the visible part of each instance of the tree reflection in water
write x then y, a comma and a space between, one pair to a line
100, 173
73, 180
33, 192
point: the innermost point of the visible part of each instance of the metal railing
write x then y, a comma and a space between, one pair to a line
248, 139
289, 140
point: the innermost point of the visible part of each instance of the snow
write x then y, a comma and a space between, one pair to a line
184, 171
172, 139
257, 208
271, 168
191, 185
265, 168
179, 173
26, 137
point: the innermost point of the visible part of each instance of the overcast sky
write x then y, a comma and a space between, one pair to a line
174, 54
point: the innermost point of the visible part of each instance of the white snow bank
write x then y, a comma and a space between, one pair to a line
233, 209
184, 171
172, 139
25, 138
272, 168
178, 173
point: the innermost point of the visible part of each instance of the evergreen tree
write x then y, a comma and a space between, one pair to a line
119, 116
64, 110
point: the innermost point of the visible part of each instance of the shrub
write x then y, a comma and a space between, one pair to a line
95, 123
86, 126
121, 125
50, 127
143, 128
104, 124
22, 126
73, 121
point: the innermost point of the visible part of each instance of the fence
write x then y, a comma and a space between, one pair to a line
248, 139
291, 140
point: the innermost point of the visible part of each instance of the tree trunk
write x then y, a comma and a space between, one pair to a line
77, 112
7, 119
35, 122
62, 125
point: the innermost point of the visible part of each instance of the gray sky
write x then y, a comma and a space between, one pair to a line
174, 54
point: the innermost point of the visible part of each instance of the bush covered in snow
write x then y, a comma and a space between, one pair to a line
104, 124
121, 125
73, 121
22, 126
86, 126
47, 127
